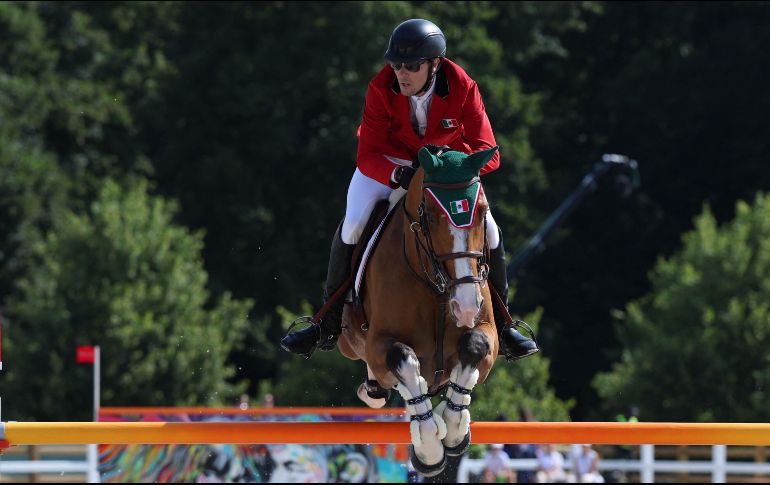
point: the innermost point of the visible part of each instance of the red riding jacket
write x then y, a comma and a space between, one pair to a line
456, 118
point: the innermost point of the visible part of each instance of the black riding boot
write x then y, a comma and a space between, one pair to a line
513, 345
324, 334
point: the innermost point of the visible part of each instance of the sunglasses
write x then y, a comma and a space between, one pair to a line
410, 66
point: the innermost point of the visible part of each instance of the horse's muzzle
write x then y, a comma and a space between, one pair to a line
464, 315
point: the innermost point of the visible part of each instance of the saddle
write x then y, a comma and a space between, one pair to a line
365, 246
362, 252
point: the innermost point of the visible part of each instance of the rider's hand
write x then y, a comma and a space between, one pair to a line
436, 149
403, 176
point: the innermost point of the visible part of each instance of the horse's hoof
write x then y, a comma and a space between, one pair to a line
375, 391
368, 399
461, 448
423, 469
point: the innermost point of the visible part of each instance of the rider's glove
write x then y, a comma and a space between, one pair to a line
437, 149
403, 175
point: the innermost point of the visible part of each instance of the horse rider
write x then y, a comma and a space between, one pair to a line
420, 98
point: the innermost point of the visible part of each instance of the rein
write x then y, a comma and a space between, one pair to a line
440, 281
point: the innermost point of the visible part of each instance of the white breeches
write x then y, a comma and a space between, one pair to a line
363, 195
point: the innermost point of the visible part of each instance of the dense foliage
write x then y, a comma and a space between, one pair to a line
172, 167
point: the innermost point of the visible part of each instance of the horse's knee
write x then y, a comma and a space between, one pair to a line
472, 348
398, 356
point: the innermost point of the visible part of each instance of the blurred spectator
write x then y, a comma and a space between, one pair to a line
243, 402
517, 451
268, 401
550, 465
522, 451
497, 466
585, 466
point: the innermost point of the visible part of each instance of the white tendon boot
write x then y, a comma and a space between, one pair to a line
455, 411
427, 428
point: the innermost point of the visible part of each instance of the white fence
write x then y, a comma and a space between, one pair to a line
88, 467
646, 466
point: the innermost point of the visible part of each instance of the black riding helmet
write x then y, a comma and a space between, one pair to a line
416, 40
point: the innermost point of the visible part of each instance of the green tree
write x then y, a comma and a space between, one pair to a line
679, 86
330, 379
521, 385
695, 348
71, 74
122, 276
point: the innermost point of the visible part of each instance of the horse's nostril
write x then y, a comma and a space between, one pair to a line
455, 306
464, 315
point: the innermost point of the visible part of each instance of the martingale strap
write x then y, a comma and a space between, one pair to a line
439, 355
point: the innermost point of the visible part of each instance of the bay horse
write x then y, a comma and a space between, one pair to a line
427, 309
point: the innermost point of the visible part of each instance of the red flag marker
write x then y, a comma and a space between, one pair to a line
85, 354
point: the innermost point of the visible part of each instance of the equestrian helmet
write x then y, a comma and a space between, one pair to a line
416, 40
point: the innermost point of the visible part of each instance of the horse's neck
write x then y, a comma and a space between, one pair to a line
409, 215
413, 197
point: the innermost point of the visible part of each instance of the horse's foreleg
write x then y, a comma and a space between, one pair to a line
427, 429
371, 393
472, 348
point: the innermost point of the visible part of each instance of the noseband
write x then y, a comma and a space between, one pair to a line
440, 281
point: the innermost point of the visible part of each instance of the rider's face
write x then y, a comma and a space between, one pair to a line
412, 82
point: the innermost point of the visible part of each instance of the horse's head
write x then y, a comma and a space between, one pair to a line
451, 228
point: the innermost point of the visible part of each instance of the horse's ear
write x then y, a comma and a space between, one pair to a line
428, 161
479, 159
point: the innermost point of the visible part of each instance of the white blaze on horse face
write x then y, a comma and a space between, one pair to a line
465, 300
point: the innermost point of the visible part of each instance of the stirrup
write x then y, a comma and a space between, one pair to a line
519, 323
300, 321
507, 352
326, 341
305, 320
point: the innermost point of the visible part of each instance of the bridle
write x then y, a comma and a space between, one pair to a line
440, 281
